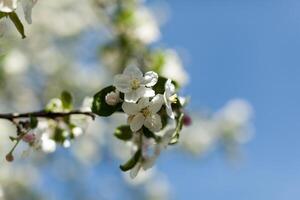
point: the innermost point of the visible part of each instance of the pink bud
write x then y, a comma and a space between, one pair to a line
187, 120
29, 138
112, 98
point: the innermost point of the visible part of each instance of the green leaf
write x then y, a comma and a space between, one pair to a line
100, 107
159, 87
67, 100
17, 22
132, 162
59, 135
33, 122
123, 133
179, 124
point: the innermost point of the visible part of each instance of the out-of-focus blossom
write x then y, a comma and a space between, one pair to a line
173, 68
231, 126
200, 137
145, 26
15, 62
234, 120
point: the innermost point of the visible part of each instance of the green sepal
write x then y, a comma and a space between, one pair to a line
67, 100
33, 122
132, 162
17, 22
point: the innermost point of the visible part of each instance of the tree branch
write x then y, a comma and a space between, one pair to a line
44, 114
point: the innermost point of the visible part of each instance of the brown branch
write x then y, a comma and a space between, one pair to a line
44, 114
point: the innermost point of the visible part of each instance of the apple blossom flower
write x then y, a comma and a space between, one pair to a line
169, 97
8, 6
134, 85
112, 98
144, 113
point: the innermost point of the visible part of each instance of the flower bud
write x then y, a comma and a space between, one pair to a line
112, 98
9, 157
187, 120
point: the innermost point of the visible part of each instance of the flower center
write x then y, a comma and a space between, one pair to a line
146, 112
135, 84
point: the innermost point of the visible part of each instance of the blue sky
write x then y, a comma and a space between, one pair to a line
246, 49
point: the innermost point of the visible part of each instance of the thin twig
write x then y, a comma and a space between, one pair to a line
44, 114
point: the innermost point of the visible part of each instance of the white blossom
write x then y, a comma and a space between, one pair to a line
174, 69
169, 97
134, 84
8, 6
112, 98
144, 113
145, 26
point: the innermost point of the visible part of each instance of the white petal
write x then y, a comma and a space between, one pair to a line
122, 83
133, 71
169, 88
156, 103
143, 103
149, 162
132, 96
27, 7
167, 138
130, 108
153, 123
145, 92
150, 79
137, 122
135, 170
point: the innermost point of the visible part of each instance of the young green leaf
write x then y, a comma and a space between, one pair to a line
33, 122
67, 100
123, 132
132, 162
100, 107
17, 22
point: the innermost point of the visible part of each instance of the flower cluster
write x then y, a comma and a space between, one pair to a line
155, 114
58, 125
